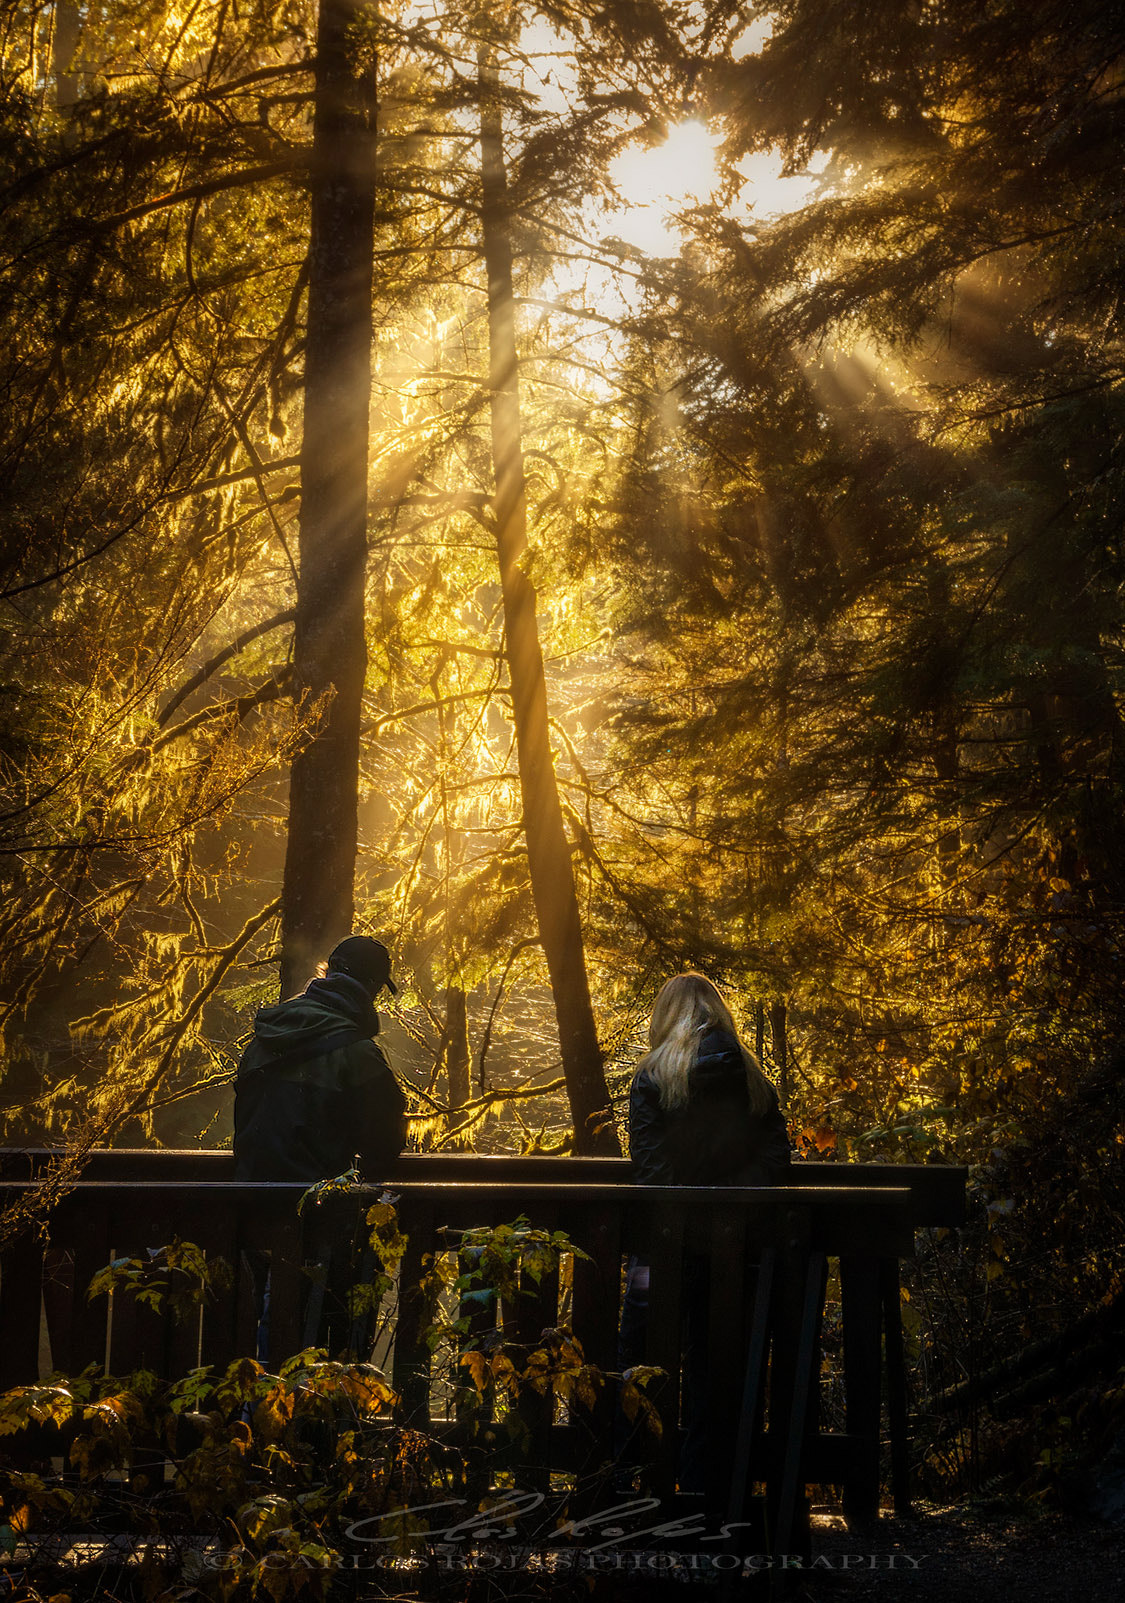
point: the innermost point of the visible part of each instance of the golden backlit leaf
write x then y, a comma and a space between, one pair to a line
477, 1365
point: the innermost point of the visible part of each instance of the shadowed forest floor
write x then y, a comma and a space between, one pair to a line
995, 1553
979, 1552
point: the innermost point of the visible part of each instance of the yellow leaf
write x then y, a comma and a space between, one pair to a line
587, 1382
274, 1411
477, 1365
504, 1373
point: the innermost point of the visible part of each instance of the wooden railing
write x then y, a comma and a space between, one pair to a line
937, 1191
764, 1254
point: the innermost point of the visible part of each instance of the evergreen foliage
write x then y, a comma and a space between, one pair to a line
824, 524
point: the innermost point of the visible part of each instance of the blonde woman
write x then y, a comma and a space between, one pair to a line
701, 1113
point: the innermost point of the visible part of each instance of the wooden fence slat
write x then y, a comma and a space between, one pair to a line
861, 1317
890, 1297
182, 1335
279, 1235
538, 1311
793, 1227
411, 1365
169, 1339
58, 1300
83, 1222
21, 1280
481, 1322
750, 1433
726, 1291
595, 1312
220, 1332
665, 1311
791, 1528
138, 1333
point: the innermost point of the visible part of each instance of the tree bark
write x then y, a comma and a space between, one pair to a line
64, 44
329, 649
454, 1052
455, 1048
548, 852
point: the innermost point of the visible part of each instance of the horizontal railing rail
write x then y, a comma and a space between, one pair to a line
937, 1191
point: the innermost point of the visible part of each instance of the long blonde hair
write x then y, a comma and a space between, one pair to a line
687, 1007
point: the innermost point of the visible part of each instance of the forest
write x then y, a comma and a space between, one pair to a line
585, 490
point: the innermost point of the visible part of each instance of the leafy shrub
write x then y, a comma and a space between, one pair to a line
244, 1483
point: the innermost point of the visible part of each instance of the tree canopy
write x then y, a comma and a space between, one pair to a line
821, 516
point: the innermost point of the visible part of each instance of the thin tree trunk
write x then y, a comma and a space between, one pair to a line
548, 852
455, 1035
455, 1048
780, 1049
329, 649
64, 44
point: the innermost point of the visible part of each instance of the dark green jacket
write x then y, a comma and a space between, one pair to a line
302, 1113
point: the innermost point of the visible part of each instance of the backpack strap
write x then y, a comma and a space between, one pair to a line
307, 1053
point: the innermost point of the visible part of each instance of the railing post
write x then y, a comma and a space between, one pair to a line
537, 1311
750, 1433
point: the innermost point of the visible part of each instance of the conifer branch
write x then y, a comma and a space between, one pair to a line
213, 664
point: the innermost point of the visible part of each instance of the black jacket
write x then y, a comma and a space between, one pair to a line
714, 1139
304, 1114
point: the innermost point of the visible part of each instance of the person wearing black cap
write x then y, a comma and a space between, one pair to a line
314, 1092
315, 1096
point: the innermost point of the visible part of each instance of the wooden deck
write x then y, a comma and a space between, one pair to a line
766, 1254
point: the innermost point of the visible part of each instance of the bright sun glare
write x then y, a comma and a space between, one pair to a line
657, 181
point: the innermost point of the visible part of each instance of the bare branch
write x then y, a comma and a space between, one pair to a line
208, 186
213, 664
235, 707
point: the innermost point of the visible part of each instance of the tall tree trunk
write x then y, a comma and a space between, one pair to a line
548, 852
454, 1052
329, 650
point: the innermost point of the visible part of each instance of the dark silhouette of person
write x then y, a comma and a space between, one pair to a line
315, 1097
701, 1112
